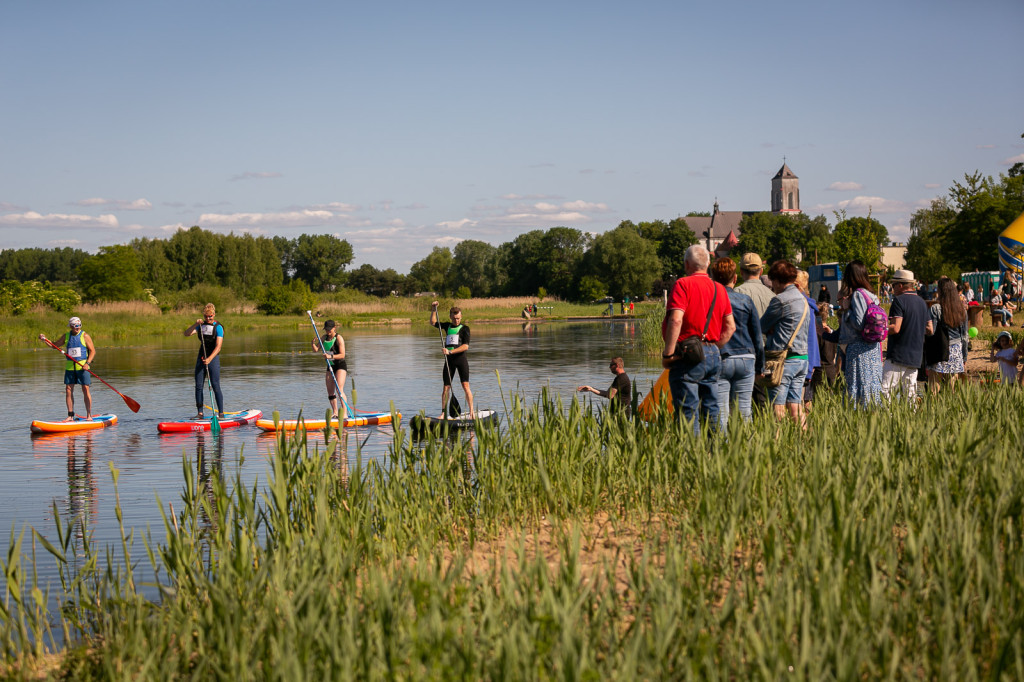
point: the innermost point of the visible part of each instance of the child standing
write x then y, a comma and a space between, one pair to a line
1007, 356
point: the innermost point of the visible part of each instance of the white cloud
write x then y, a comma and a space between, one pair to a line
530, 197
1013, 159
4, 206
337, 206
932, 185
59, 220
248, 175
63, 242
116, 204
456, 224
845, 187
301, 218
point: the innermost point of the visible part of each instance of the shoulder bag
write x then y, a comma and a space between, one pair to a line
775, 360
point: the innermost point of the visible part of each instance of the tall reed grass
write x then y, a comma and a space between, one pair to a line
880, 544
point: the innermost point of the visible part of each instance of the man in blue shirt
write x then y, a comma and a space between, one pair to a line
909, 321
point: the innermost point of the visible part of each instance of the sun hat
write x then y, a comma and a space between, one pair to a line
902, 277
751, 261
75, 322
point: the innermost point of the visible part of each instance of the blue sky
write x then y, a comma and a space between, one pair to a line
404, 125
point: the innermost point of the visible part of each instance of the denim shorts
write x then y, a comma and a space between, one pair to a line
791, 390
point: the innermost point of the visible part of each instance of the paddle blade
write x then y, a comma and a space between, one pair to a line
215, 423
132, 405
454, 408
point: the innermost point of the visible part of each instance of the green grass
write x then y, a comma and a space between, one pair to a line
880, 544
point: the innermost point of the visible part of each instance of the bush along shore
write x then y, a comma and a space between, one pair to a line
568, 544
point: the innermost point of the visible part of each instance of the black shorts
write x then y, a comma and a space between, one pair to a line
339, 364
457, 362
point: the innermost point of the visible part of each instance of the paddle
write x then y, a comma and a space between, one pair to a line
330, 369
214, 422
454, 408
132, 405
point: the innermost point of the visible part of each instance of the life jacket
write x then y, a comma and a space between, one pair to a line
451, 339
208, 336
75, 347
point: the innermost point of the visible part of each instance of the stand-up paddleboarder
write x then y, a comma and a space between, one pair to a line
455, 347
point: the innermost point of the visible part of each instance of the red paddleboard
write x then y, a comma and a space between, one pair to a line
228, 421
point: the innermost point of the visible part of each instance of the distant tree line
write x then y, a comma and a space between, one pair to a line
957, 233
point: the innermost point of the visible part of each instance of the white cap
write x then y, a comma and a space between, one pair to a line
75, 322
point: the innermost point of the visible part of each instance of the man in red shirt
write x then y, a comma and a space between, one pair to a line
689, 312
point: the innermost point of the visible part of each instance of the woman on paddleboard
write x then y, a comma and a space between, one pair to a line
211, 334
334, 351
77, 344
456, 345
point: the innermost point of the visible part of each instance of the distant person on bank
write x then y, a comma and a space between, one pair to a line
909, 323
620, 392
697, 307
78, 345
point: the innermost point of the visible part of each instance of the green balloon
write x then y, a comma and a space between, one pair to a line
972, 332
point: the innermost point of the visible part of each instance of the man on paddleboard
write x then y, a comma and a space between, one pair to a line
456, 345
207, 362
78, 345
620, 392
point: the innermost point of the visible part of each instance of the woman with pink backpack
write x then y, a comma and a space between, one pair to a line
863, 327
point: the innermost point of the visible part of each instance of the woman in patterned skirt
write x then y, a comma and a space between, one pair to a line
862, 366
950, 314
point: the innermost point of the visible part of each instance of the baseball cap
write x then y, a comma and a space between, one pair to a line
1006, 334
751, 261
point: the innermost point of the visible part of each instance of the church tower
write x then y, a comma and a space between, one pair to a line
785, 191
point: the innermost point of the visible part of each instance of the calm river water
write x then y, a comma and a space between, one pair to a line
264, 370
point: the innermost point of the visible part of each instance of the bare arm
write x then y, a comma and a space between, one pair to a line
673, 323
728, 329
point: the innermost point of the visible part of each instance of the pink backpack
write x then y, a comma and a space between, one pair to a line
876, 322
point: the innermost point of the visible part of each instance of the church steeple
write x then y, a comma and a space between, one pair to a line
785, 191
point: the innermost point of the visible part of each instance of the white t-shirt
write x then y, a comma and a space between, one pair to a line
1007, 364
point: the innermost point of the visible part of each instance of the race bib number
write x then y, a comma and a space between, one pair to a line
208, 329
75, 352
452, 339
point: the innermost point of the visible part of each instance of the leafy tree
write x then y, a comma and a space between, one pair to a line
114, 274
984, 207
320, 260
591, 288
294, 298
159, 272
286, 255
196, 252
675, 240
819, 245
625, 260
925, 255
522, 259
860, 239
773, 236
471, 266
562, 250
431, 273
699, 214
370, 280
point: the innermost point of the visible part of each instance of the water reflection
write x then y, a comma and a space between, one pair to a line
79, 509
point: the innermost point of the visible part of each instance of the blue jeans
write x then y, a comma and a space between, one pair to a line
735, 385
214, 369
696, 386
791, 390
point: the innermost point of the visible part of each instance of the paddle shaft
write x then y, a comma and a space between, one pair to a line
132, 404
453, 404
330, 367
214, 421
